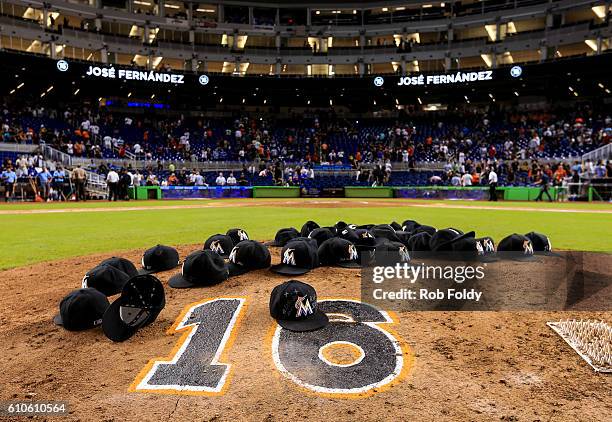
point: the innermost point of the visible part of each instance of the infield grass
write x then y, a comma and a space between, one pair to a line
29, 238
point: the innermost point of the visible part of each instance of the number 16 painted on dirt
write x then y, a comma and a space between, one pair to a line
196, 367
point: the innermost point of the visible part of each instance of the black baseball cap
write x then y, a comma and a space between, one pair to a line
348, 234
442, 239
321, 235
121, 264
384, 231
220, 243
338, 251
283, 236
403, 236
81, 309
297, 258
141, 301
389, 252
248, 255
340, 225
311, 242
106, 279
201, 268
237, 235
517, 247
293, 305
418, 243
470, 249
395, 225
541, 244
159, 258
410, 226
424, 228
365, 226
308, 227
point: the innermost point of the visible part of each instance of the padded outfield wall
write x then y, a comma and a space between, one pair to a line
406, 192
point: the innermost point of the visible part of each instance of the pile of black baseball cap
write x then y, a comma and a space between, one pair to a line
140, 295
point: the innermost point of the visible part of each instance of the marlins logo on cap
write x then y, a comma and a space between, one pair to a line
216, 246
289, 256
404, 254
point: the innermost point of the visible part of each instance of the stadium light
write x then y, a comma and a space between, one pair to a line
77, 91
419, 100
50, 88
20, 85
600, 11
12, 91
516, 93
142, 3
152, 96
129, 94
385, 9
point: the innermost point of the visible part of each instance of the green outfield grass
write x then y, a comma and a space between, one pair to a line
30, 238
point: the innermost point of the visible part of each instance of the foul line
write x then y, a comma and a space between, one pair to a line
305, 204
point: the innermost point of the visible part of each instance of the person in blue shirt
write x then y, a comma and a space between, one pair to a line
9, 178
45, 182
59, 183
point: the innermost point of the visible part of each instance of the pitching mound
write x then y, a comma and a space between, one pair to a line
431, 365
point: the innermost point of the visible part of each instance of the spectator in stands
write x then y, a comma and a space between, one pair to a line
231, 180
173, 180
466, 179
242, 181
220, 181
112, 181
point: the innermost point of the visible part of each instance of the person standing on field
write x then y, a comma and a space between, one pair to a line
79, 177
492, 184
112, 180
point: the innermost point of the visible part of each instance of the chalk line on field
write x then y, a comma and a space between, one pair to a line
301, 203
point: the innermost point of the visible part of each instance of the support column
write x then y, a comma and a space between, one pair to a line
277, 69
251, 18
52, 51
543, 53
599, 44
45, 22
161, 10
104, 55
220, 13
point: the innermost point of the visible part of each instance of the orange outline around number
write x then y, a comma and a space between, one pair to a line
186, 331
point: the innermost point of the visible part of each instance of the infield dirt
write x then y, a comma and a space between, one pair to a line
463, 365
